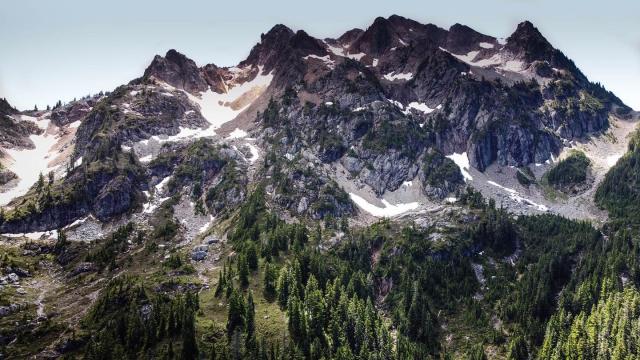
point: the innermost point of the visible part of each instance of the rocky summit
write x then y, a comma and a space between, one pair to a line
400, 191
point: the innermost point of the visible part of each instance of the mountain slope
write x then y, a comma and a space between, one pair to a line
325, 198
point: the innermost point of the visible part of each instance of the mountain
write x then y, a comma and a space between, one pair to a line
402, 190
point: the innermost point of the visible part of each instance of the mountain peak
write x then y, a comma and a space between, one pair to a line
461, 39
306, 43
271, 43
177, 70
529, 42
377, 38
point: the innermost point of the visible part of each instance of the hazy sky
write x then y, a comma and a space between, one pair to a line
69, 48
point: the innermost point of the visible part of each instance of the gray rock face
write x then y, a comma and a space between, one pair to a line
6, 176
198, 255
114, 198
73, 111
177, 70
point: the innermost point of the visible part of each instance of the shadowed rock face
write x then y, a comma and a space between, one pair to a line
178, 71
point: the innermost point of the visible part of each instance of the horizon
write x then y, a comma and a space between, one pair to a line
82, 61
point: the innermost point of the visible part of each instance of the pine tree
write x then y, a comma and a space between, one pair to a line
237, 313
269, 289
250, 319
40, 184
284, 284
252, 255
518, 349
61, 242
189, 345
243, 270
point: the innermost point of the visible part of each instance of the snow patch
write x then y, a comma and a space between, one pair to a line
325, 59
237, 134
387, 211
28, 164
75, 124
38, 235
392, 76
161, 185
486, 45
514, 195
463, 163
613, 159
216, 108
255, 153
420, 107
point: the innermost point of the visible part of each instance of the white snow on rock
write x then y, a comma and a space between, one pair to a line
78, 162
325, 59
39, 235
151, 206
27, 164
206, 226
374, 63
162, 184
217, 108
78, 222
340, 51
613, 159
514, 195
392, 76
237, 134
463, 163
255, 153
146, 159
75, 124
498, 61
420, 107
407, 183
486, 45
388, 210
356, 57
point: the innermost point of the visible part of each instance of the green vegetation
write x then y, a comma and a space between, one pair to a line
441, 171
525, 176
619, 192
608, 330
570, 171
129, 321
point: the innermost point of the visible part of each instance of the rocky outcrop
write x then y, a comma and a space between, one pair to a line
74, 111
13, 132
6, 175
178, 71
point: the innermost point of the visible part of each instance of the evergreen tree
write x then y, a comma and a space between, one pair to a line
237, 313
40, 184
243, 270
270, 278
252, 255
250, 319
189, 345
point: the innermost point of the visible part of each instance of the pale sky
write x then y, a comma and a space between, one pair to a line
69, 48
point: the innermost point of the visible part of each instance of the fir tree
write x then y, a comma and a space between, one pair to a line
237, 313
243, 270
250, 319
